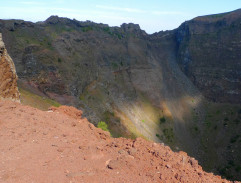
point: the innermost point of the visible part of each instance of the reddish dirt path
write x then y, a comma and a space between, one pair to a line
58, 146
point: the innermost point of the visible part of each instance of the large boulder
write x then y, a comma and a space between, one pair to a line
8, 76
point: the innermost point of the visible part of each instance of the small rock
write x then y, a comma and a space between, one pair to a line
132, 151
122, 152
168, 166
113, 164
60, 150
193, 162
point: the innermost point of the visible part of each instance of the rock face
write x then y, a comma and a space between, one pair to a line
8, 76
209, 52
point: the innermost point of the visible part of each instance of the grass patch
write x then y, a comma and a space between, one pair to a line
36, 101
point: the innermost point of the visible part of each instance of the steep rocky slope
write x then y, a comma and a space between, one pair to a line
60, 146
8, 75
133, 81
210, 54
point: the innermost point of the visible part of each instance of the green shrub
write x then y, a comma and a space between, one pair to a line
103, 126
106, 29
163, 119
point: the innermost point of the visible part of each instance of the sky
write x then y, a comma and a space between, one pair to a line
151, 15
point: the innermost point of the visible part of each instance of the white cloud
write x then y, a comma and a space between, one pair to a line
167, 13
130, 10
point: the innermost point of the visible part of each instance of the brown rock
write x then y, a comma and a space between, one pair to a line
8, 76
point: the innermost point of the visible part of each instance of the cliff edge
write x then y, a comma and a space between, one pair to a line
60, 146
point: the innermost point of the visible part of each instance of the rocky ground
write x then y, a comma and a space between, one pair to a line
60, 146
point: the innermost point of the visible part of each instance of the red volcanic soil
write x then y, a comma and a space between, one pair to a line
58, 146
